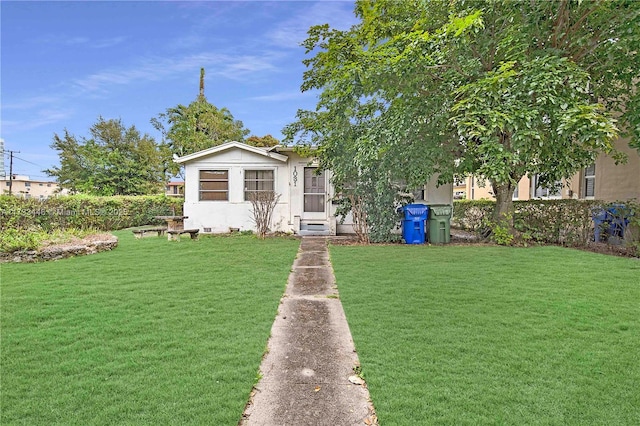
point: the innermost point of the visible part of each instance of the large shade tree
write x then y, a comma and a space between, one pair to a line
264, 141
197, 126
500, 89
113, 160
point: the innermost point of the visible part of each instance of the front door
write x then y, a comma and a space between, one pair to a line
315, 194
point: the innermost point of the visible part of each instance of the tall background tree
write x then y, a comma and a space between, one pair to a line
264, 141
197, 126
113, 160
500, 89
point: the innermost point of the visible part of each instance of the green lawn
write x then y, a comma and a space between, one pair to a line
494, 335
154, 332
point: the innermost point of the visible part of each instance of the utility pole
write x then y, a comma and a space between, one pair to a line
201, 95
11, 168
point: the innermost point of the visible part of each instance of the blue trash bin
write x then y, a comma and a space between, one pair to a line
600, 224
610, 224
618, 222
413, 225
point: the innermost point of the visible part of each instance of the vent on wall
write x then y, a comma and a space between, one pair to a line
207, 229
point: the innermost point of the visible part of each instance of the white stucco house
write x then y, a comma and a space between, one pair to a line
218, 179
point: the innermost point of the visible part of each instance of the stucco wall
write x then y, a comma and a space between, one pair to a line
236, 212
434, 194
289, 215
618, 182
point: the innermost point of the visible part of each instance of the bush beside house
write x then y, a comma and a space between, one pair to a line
564, 222
26, 223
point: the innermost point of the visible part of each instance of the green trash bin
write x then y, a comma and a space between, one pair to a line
440, 224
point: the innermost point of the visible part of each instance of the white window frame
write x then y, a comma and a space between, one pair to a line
589, 177
201, 191
244, 182
547, 191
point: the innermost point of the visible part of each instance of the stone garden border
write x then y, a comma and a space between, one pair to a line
90, 244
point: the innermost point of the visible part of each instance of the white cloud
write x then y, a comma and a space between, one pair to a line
228, 66
281, 96
293, 31
107, 42
28, 103
78, 41
40, 118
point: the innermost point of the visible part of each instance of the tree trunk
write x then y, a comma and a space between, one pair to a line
503, 212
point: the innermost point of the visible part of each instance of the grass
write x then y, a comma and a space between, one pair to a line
154, 332
494, 335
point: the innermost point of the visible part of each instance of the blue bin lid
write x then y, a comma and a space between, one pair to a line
416, 210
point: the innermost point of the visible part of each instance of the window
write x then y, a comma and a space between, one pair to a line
257, 181
545, 192
39, 184
589, 181
516, 192
214, 185
313, 190
27, 184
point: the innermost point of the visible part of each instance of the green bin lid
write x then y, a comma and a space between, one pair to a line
441, 210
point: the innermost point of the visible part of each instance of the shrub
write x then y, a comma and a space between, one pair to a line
564, 222
84, 212
12, 240
472, 215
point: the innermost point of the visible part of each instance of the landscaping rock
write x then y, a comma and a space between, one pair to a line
90, 244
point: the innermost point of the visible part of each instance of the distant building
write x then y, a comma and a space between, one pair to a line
602, 180
174, 189
22, 186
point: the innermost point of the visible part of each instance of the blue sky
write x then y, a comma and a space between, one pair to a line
64, 64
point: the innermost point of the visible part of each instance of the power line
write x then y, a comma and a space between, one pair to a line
26, 161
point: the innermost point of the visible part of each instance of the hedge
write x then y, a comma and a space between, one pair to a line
84, 212
565, 222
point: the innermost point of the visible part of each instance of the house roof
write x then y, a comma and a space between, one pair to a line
231, 145
289, 148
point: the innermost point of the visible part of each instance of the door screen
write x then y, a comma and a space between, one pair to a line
314, 190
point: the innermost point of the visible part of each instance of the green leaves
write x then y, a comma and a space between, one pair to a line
531, 111
114, 160
192, 128
498, 89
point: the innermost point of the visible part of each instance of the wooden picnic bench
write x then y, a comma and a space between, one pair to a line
139, 233
174, 234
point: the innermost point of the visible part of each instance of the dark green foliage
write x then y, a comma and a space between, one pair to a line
84, 212
470, 215
566, 222
114, 160
195, 127
264, 141
493, 88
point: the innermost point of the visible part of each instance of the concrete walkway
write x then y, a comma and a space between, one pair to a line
307, 370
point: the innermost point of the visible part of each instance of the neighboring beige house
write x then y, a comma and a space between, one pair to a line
174, 189
22, 186
603, 180
219, 180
